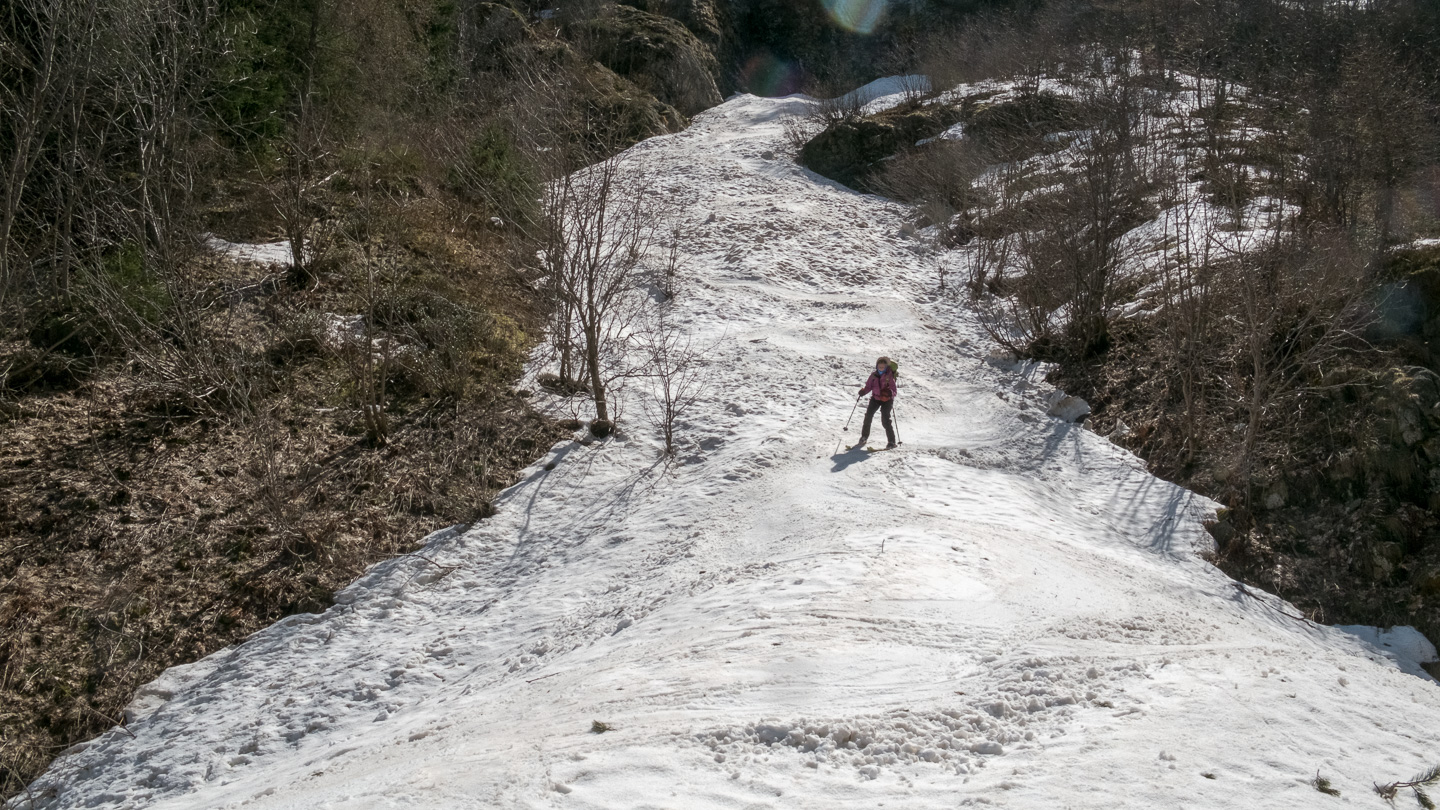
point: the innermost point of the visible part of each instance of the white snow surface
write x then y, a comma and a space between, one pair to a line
1404, 641
1007, 611
266, 253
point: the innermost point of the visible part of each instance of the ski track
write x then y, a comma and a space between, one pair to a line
1008, 611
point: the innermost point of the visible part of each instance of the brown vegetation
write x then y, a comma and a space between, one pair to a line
141, 531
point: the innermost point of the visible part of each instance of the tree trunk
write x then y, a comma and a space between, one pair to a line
592, 359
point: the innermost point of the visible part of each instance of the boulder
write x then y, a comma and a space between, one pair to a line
657, 53
612, 112
1428, 581
1222, 531
699, 16
852, 150
626, 113
498, 38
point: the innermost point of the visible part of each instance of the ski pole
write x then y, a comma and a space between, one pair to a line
852, 413
895, 417
847, 424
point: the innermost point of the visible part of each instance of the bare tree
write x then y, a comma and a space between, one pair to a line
1188, 310
677, 375
302, 156
1300, 302
602, 222
45, 49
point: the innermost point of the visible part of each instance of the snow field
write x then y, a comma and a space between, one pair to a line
1008, 611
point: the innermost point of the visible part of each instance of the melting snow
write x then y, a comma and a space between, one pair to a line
1009, 610
269, 253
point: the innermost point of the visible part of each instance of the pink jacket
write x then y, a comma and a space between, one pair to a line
881, 386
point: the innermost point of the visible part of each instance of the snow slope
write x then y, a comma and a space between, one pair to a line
1007, 611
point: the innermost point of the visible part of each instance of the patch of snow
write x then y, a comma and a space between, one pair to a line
1403, 641
267, 253
1070, 409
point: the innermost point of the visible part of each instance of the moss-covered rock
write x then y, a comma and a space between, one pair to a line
502, 40
1018, 126
624, 113
699, 16
852, 150
602, 111
657, 53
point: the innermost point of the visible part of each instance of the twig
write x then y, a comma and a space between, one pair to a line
542, 677
1240, 586
1429, 777
104, 716
15, 775
446, 569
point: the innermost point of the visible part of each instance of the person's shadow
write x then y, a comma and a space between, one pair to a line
845, 459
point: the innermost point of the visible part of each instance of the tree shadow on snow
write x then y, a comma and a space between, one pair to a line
573, 526
1154, 508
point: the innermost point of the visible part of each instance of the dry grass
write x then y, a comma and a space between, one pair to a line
133, 539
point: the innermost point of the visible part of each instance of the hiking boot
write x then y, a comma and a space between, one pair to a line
890, 446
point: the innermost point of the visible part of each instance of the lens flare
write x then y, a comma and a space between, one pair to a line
860, 16
1399, 310
766, 75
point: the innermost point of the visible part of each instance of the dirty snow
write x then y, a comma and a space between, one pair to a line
268, 253
1006, 611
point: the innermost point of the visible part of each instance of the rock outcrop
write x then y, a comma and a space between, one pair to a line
852, 150
657, 53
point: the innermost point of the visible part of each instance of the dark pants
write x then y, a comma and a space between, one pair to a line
884, 409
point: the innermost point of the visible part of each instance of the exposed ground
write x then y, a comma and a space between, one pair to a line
134, 536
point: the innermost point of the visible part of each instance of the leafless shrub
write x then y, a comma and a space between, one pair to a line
673, 260
1300, 301
602, 221
371, 361
938, 179
826, 113
44, 56
1188, 309
181, 342
1066, 246
281, 470
914, 87
677, 375
986, 263
798, 132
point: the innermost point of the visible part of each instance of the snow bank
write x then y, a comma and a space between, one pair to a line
1405, 642
1008, 610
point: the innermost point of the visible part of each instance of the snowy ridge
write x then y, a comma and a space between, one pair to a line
1007, 611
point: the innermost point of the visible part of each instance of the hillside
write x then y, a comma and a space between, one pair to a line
1007, 610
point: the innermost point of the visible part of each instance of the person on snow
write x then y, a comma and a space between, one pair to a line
882, 390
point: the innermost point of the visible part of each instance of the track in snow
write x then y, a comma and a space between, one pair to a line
1009, 611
